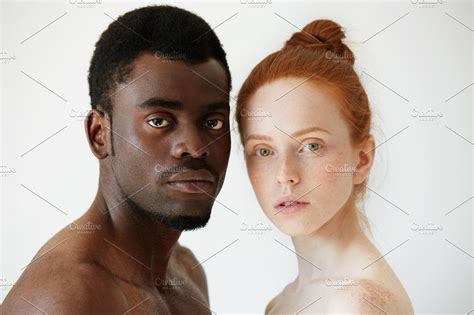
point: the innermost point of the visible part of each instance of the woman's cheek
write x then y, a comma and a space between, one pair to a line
260, 176
333, 186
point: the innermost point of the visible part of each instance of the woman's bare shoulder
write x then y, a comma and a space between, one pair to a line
371, 297
277, 298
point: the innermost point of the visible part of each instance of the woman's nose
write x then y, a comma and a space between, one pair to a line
287, 173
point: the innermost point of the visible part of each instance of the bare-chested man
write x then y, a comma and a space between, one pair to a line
159, 127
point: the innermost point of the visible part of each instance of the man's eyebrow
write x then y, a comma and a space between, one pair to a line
163, 103
217, 106
294, 135
177, 105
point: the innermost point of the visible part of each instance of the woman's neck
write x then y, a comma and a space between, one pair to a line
332, 250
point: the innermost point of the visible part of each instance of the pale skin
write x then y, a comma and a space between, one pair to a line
302, 146
112, 260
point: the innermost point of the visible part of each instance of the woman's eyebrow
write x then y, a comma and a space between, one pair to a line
295, 134
258, 137
308, 130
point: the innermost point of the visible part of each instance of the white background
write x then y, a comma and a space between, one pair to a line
421, 60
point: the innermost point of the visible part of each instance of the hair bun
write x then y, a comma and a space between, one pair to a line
322, 34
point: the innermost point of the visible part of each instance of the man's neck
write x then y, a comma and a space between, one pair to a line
148, 243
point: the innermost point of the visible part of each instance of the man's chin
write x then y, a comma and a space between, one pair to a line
182, 222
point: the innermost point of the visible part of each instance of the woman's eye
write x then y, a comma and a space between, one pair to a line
263, 152
312, 147
158, 122
215, 124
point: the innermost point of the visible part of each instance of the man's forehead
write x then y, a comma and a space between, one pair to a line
202, 83
210, 71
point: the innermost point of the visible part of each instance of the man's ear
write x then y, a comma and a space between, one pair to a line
366, 154
96, 125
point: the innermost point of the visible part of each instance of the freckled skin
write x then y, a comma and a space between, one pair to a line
123, 258
326, 233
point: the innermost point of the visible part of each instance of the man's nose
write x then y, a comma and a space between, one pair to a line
191, 144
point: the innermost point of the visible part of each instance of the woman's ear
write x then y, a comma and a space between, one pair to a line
96, 125
366, 154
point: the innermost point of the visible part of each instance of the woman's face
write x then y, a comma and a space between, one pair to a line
297, 145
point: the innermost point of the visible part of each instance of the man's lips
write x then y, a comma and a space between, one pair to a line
193, 181
201, 175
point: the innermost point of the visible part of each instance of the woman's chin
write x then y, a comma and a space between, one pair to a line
294, 227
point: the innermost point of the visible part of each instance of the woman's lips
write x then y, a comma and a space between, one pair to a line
192, 187
293, 207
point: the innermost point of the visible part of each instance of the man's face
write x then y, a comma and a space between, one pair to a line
171, 139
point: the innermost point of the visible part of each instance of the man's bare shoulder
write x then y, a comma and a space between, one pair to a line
68, 288
187, 266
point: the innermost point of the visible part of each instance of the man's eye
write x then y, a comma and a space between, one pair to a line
263, 152
158, 122
215, 124
312, 147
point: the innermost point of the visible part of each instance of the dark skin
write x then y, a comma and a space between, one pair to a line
119, 257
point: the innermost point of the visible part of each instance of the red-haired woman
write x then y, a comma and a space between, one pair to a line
305, 125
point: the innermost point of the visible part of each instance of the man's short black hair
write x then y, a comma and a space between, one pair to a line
167, 32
